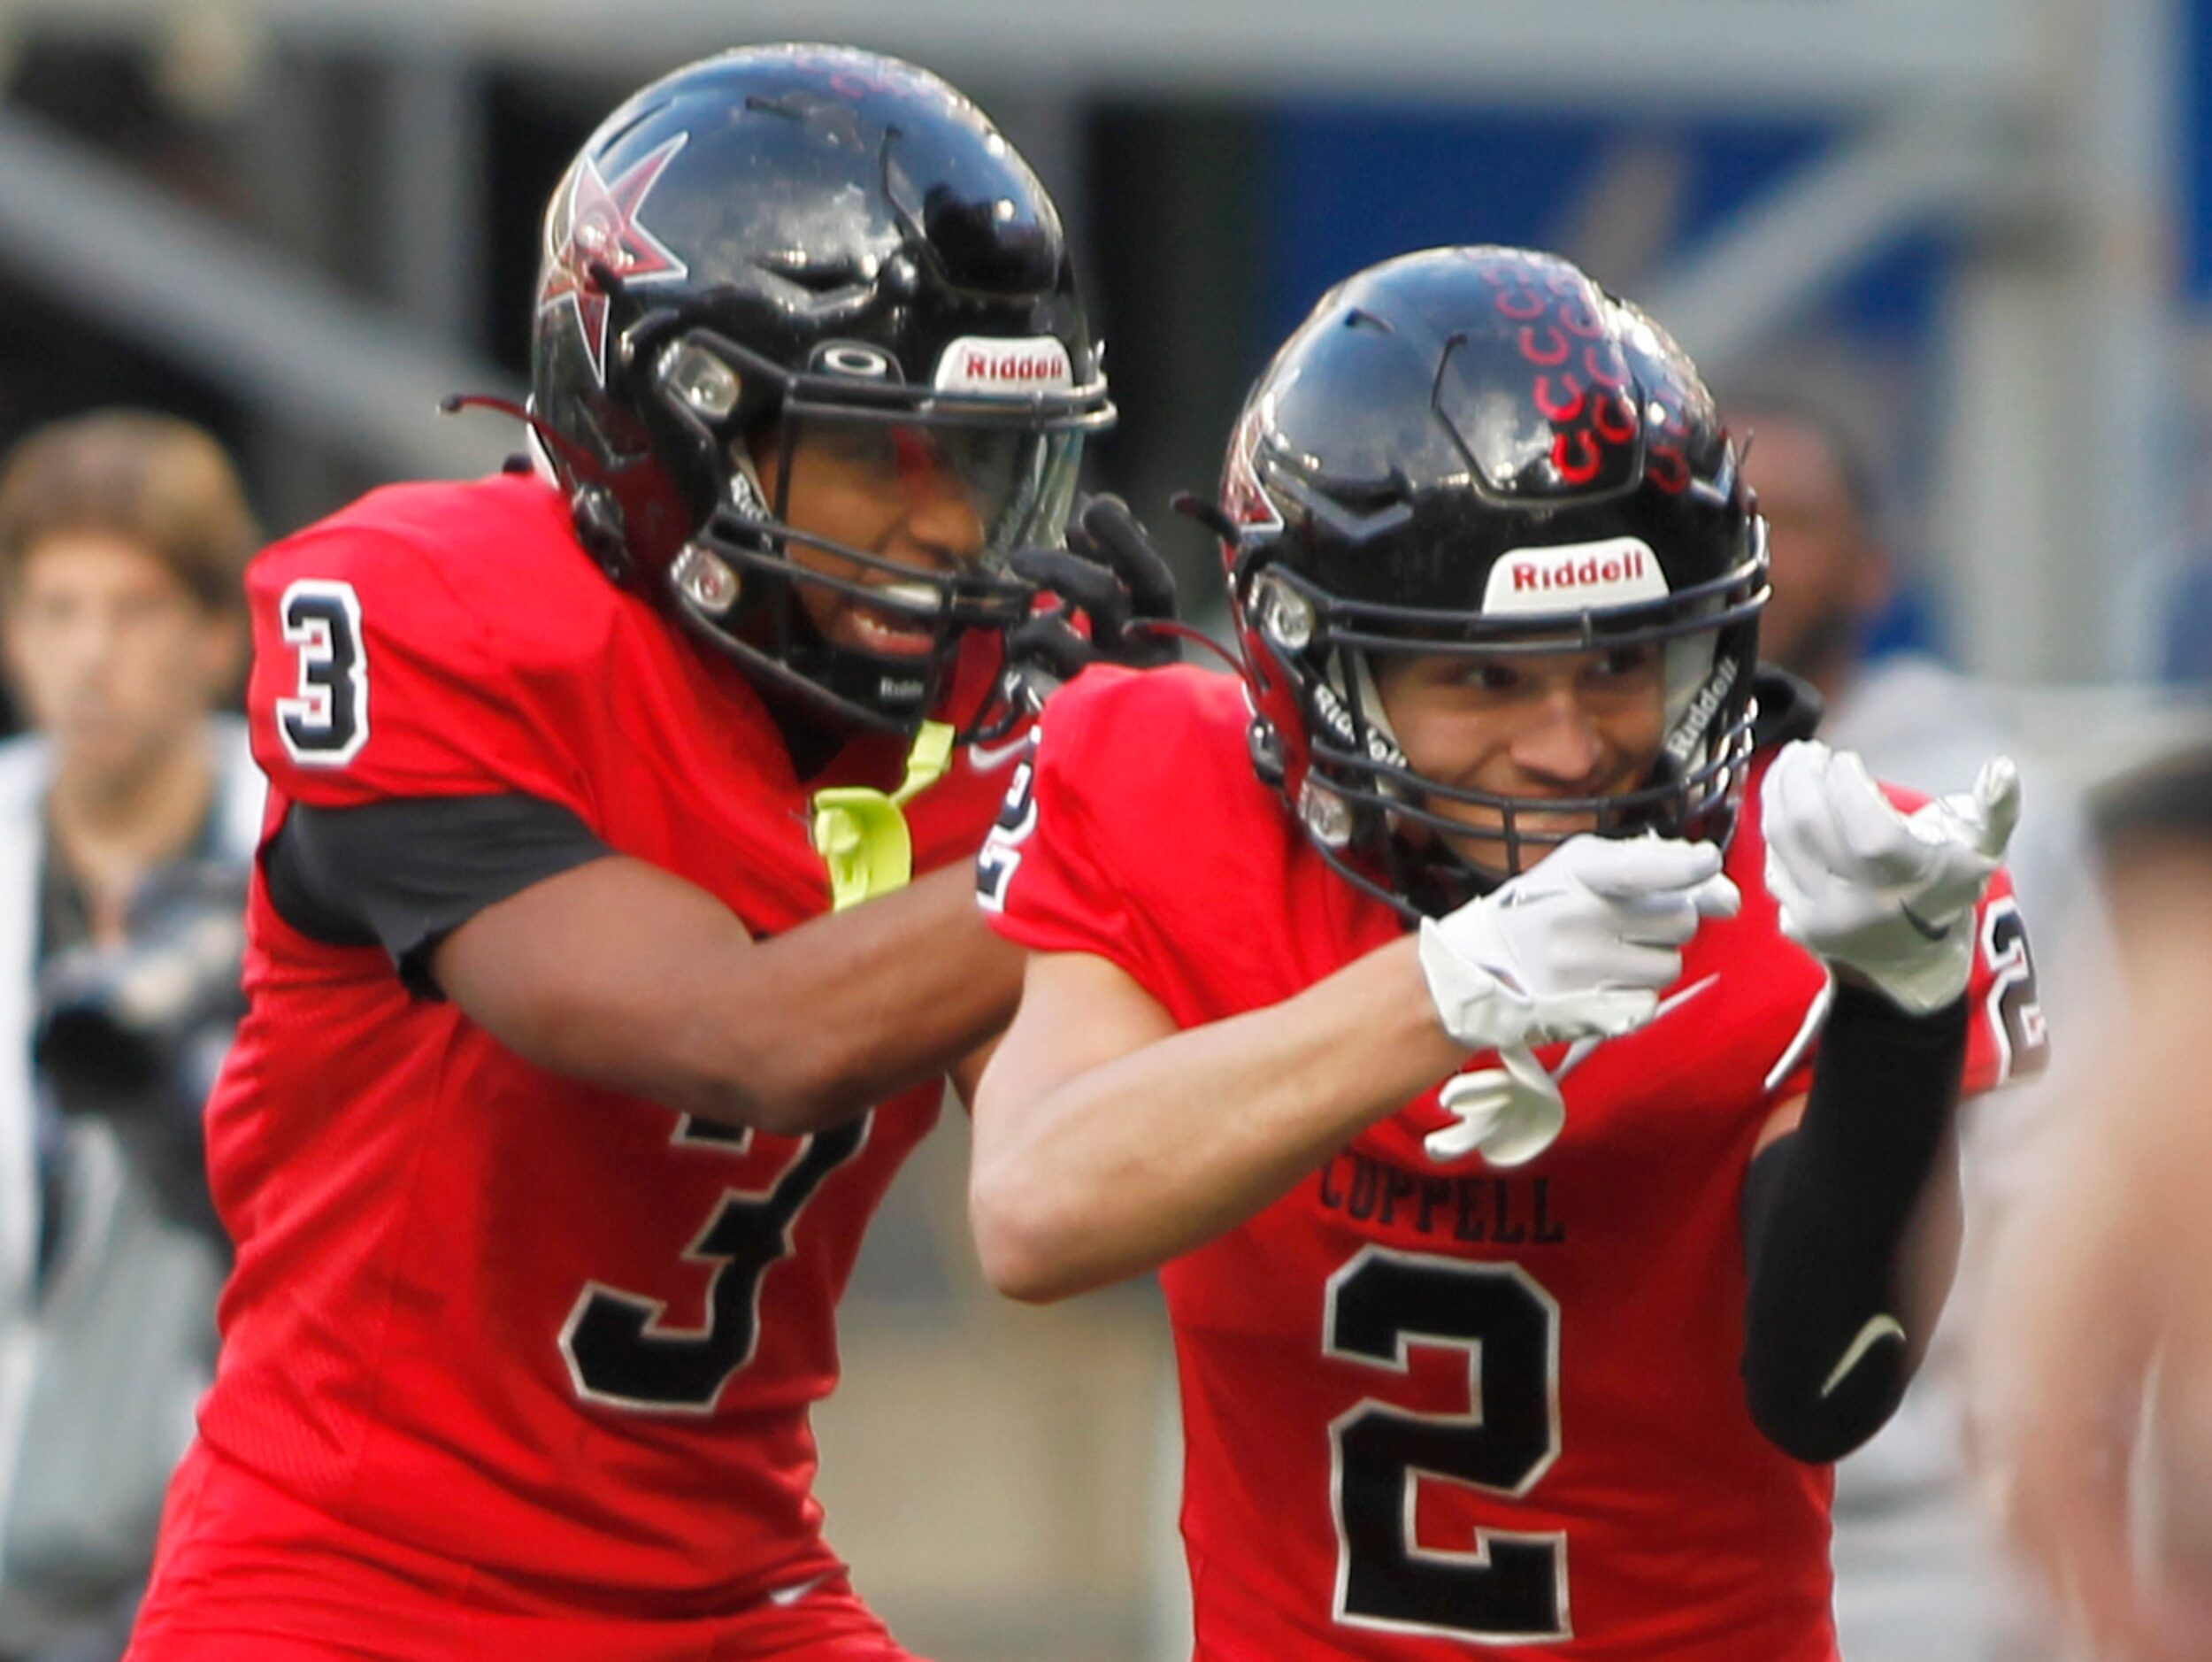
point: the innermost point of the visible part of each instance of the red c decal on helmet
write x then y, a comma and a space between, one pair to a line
1669, 469
1580, 321
1575, 472
1557, 409
1552, 356
1605, 369
1616, 423
1521, 304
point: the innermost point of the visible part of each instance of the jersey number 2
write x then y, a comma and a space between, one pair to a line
2016, 1009
618, 1350
1511, 1587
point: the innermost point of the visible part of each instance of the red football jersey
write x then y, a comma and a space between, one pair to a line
1432, 1410
561, 1337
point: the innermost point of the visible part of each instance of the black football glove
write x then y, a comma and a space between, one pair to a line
1113, 578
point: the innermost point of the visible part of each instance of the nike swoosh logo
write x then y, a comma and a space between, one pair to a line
1877, 1329
989, 758
784, 1597
1580, 1052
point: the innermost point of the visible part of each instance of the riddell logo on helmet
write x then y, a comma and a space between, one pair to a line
987, 364
1689, 733
1624, 569
1022, 368
1574, 577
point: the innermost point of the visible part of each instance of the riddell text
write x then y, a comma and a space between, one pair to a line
1622, 568
1026, 366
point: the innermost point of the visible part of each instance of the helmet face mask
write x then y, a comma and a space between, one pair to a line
811, 255
1475, 453
762, 571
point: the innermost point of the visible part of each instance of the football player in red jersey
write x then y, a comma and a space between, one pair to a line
548, 1141
1527, 1066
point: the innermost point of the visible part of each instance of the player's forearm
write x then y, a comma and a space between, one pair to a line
1137, 1160
1850, 1228
816, 1025
623, 976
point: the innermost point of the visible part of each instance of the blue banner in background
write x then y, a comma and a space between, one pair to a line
1348, 185
2182, 629
2195, 230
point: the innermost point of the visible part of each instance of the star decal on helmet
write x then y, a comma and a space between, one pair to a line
600, 226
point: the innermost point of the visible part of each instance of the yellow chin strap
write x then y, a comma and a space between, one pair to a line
861, 834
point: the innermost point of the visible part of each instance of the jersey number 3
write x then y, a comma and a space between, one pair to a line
1511, 1587
619, 1350
325, 722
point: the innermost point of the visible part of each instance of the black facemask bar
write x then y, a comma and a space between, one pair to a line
760, 624
1381, 795
890, 693
1665, 805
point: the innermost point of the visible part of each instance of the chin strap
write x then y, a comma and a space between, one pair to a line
861, 834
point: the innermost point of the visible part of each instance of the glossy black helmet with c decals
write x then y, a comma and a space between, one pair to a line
1479, 450
794, 245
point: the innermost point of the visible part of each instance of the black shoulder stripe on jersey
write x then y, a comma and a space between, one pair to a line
404, 874
1789, 708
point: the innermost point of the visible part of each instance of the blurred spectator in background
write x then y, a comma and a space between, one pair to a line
1836, 590
1918, 1578
2097, 1355
127, 817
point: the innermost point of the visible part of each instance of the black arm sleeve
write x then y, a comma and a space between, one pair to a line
1825, 1212
404, 874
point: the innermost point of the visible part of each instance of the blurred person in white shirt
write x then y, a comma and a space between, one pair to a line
128, 812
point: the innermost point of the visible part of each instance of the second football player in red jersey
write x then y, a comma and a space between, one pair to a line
1533, 1071
548, 1141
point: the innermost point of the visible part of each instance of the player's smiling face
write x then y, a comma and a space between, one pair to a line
885, 490
1542, 725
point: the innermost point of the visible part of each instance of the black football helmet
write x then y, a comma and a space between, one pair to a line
799, 241
1479, 450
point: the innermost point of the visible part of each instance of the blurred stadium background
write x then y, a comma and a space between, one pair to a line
1982, 227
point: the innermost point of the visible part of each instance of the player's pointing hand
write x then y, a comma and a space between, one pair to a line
1578, 948
1886, 895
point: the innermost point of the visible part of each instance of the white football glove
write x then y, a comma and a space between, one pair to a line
1577, 947
1887, 896
1511, 1114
